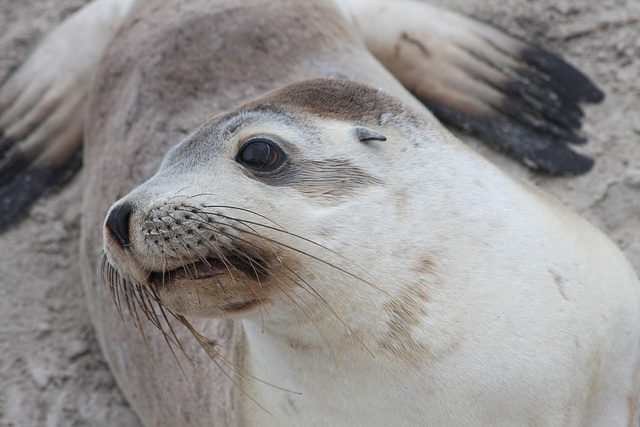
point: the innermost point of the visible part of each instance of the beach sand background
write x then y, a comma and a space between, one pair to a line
51, 369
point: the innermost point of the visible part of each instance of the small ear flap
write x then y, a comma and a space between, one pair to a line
366, 134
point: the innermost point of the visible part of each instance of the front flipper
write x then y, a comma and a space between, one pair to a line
42, 106
517, 97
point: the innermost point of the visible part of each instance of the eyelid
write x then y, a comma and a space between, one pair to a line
281, 143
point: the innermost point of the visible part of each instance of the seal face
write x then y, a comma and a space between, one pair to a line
206, 231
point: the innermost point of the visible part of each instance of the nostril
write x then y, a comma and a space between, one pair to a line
118, 222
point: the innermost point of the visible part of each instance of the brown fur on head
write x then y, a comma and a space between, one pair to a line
335, 99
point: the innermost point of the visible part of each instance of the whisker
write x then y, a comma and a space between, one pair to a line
279, 228
170, 340
282, 230
146, 343
342, 270
244, 210
182, 261
154, 296
250, 259
308, 288
313, 292
139, 296
308, 316
218, 254
203, 342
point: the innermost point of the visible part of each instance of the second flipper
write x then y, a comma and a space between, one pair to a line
517, 97
42, 105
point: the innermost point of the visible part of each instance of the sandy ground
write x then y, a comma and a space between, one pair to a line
51, 370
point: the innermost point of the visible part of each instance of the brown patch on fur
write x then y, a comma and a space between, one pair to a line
595, 368
634, 398
401, 200
425, 266
290, 406
299, 345
404, 314
338, 100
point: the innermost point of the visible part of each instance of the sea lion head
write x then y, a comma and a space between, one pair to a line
263, 203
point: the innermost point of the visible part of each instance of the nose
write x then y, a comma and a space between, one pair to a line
118, 222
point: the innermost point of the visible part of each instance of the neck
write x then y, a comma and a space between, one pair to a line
319, 374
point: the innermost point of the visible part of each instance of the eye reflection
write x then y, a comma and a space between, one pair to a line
259, 154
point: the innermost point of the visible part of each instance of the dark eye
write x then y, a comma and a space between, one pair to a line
260, 154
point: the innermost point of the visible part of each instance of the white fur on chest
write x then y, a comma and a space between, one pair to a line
323, 390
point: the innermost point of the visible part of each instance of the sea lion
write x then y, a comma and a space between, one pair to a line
145, 99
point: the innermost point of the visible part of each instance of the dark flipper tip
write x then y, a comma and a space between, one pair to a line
535, 149
12, 166
577, 85
5, 144
28, 186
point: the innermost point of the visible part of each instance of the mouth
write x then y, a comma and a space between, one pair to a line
174, 285
237, 307
201, 270
211, 268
